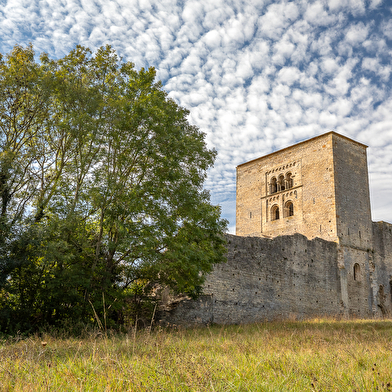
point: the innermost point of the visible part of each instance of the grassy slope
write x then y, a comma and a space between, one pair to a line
317, 355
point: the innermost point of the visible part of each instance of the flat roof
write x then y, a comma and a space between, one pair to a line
305, 141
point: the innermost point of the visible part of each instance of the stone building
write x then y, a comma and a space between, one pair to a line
318, 188
305, 243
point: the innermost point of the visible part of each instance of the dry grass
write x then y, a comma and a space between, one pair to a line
318, 355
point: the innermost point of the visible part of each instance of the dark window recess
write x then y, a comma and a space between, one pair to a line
357, 272
289, 209
275, 212
273, 185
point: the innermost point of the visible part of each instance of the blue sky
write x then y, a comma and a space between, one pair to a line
257, 76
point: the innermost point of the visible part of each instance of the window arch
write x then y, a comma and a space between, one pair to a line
273, 185
357, 272
289, 181
275, 212
281, 183
289, 209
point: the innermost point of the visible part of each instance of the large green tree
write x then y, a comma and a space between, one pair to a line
101, 190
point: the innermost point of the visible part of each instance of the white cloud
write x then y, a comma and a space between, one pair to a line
328, 119
323, 46
317, 15
308, 100
357, 7
340, 84
371, 64
375, 3
374, 65
244, 67
357, 33
259, 54
342, 107
282, 50
337, 5
294, 115
288, 75
193, 12
191, 64
277, 18
213, 39
329, 65
256, 75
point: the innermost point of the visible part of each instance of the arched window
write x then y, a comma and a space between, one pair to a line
281, 184
289, 209
273, 185
274, 212
289, 181
357, 272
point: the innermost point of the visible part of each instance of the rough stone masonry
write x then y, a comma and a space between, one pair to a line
305, 243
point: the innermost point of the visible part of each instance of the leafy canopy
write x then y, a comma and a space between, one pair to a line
101, 190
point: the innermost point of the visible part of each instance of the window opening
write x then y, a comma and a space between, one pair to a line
289, 209
289, 181
273, 185
281, 183
357, 272
275, 213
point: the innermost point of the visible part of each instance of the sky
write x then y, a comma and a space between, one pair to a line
256, 75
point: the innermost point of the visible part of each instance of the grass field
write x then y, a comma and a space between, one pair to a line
317, 355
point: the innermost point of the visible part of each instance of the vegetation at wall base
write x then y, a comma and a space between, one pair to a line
315, 355
101, 192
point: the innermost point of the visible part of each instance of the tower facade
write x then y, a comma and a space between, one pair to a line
318, 188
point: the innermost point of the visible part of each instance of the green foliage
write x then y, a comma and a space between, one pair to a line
101, 190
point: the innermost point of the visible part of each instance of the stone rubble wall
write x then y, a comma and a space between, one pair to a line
382, 266
266, 279
291, 277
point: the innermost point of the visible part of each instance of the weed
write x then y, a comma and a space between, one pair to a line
315, 355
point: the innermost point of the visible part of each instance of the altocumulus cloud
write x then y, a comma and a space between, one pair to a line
256, 76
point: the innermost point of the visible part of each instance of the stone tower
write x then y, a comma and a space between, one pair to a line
318, 188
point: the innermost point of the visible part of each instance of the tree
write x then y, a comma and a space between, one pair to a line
101, 185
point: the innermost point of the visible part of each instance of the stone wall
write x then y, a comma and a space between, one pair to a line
264, 279
382, 261
357, 294
291, 277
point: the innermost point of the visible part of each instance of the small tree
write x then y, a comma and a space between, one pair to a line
101, 187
